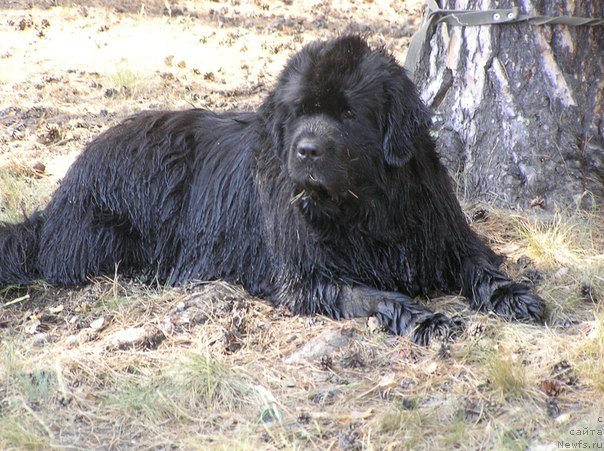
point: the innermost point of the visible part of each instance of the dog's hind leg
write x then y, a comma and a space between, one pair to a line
19, 250
80, 240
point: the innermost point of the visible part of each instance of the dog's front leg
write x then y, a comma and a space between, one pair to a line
396, 312
488, 289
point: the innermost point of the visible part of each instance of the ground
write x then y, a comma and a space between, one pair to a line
118, 364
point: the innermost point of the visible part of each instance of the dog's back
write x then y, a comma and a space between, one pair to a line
150, 193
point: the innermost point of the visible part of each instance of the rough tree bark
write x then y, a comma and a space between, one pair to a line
520, 107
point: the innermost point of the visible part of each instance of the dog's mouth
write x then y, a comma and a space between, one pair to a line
309, 187
311, 182
312, 190
322, 188
317, 193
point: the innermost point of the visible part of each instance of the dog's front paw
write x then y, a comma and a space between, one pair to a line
434, 326
516, 301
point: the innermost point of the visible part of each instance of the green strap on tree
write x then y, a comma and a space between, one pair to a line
464, 18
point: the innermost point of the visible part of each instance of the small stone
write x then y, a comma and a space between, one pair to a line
373, 325
323, 345
98, 324
39, 167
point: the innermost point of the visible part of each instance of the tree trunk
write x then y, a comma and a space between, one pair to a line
519, 107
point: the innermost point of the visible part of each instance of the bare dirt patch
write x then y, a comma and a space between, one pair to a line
119, 364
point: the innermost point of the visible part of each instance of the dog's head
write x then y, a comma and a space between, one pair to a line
340, 113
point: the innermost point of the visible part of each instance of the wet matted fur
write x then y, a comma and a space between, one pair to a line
329, 199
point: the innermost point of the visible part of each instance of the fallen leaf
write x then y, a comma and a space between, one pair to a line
551, 387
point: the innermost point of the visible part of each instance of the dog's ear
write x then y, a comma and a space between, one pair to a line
405, 120
272, 113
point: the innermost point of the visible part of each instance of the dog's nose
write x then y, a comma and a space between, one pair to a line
309, 149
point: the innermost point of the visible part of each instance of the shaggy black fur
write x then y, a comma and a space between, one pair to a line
330, 199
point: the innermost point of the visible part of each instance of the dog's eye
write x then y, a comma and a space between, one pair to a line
347, 114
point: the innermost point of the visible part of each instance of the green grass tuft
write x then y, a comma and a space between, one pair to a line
507, 377
204, 380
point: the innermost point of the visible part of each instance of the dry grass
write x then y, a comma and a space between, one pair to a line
567, 240
212, 370
22, 191
564, 252
120, 365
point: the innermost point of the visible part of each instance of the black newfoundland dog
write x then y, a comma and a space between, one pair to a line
330, 199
